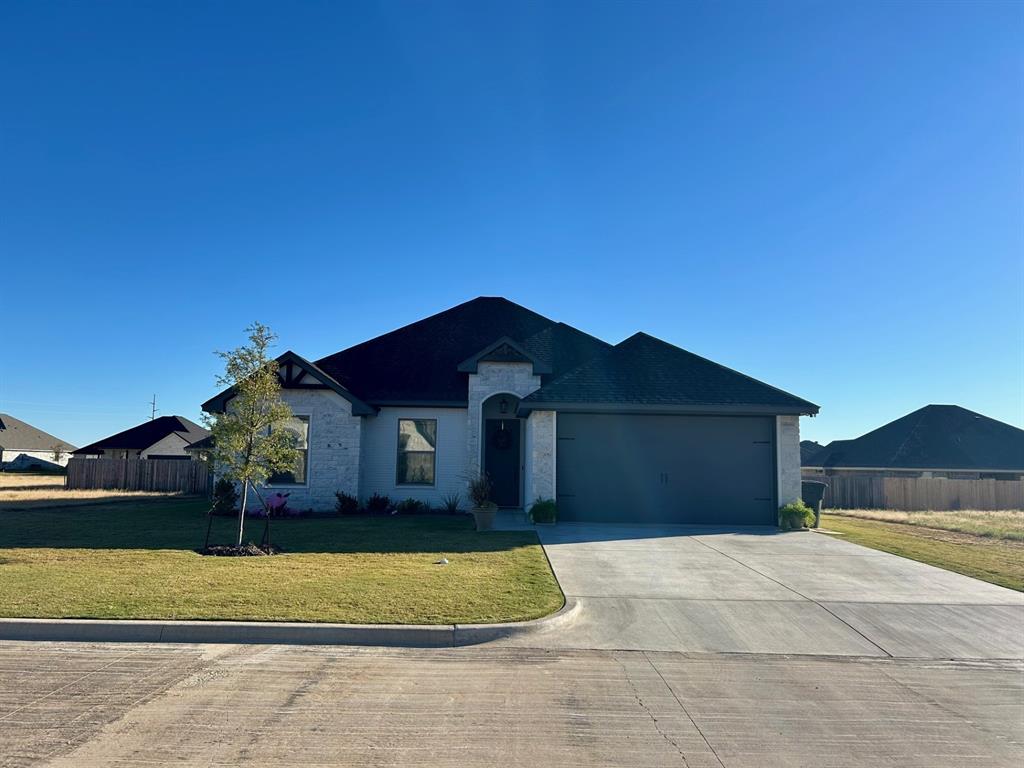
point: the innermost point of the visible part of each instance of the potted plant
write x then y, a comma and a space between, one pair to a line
543, 512
483, 508
795, 516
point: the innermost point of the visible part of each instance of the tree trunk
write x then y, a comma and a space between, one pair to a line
241, 512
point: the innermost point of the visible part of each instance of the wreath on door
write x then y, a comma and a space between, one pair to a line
501, 439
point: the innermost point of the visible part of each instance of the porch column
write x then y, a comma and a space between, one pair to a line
541, 428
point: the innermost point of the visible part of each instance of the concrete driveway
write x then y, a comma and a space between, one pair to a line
756, 590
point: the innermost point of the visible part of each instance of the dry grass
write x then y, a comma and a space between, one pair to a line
1004, 524
24, 481
24, 491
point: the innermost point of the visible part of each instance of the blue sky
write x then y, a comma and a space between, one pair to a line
826, 197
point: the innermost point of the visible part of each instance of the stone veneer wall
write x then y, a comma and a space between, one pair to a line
490, 379
787, 457
540, 456
333, 459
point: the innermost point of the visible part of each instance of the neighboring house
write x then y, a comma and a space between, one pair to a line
165, 437
934, 441
18, 438
808, 450
639, 431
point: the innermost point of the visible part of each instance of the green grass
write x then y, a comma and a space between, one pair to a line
136, 561
986, 558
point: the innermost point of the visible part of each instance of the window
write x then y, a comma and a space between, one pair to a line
298, 427
417, 444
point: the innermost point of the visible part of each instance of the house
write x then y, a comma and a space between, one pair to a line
637, 431
808, 449
934, 441
19, 439
165, 437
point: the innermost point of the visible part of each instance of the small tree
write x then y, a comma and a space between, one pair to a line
247, 449
58, 453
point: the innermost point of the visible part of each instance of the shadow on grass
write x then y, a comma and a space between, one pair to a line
180, 524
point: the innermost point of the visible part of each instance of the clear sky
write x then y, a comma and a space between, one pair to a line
827, 197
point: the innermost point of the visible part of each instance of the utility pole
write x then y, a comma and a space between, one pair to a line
152, 413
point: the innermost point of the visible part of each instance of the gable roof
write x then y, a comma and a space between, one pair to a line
933, 437
291, 361
504, 350
645, 373
17, 435
147, 433
419, 363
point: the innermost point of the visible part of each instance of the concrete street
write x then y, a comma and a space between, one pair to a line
143, 705
691, 647
756, 590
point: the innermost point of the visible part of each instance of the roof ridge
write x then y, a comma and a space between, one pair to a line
433, 316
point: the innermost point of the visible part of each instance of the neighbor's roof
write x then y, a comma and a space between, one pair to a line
147, 433
643, 371
933, 437
419, 362
808, 450
16, 435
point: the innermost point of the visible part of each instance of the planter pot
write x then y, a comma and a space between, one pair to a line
484, 518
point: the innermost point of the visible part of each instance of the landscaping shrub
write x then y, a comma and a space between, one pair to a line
451, 504
346, 504
225, 498
378, 504
543, 511
795, 516
412, 507
480, 492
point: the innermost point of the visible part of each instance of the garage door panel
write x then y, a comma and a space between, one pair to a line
680, 469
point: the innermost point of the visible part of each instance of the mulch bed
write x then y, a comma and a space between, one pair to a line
246, 550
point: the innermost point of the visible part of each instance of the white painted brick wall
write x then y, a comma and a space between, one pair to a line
540, 456
787, 447
491, 378
334, 448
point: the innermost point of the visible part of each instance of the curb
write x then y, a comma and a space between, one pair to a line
290, 633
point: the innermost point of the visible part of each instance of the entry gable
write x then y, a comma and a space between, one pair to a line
504, 350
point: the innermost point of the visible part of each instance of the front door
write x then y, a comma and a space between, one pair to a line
502, 461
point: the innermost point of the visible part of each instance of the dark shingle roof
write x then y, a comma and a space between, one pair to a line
418, 363
17, 435
933, 437
808, 450
646, 371
147, 433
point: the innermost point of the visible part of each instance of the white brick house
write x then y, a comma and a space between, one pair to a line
637, 431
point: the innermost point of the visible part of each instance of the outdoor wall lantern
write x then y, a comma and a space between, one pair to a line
503, 406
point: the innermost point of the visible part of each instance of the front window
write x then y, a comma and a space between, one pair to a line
417, 443
298, 428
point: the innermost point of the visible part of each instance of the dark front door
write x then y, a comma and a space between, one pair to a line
501, 461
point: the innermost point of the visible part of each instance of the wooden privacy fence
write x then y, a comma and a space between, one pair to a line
920, 493
190, 477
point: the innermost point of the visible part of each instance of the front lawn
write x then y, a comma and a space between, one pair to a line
135, 561
999, 561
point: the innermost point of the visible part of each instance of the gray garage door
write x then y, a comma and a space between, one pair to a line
666, 469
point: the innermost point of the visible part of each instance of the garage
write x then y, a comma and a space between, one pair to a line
666, 468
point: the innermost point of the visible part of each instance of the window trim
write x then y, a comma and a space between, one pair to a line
398, 451
309, 432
